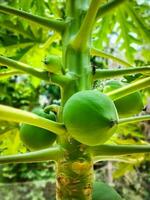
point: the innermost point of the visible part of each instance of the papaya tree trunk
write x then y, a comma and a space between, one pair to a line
74, 172
75, 169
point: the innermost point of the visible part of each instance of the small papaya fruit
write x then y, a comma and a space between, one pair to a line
35, 138
126, 106
53, 64
90, 117
102, 191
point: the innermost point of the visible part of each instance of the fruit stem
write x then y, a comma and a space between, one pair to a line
125, 121
53, 107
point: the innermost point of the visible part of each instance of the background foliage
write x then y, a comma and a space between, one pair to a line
124, 33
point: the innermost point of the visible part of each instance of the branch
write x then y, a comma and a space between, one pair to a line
62, 80
16, 115
111, 73
125, 159
133, 119
82, 37
133, 87
118, 150
24, 67
8, 74
57, 79
53, 153
109, 7
97, 52
49, 23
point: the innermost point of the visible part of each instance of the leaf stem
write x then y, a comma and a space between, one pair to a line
124, 91
97, 52
53, 153
118, 150
124, 158
124, 121
58, 79
109, 7
9, 73
24, 67
16, 115
111, 73
49, 23
82, 37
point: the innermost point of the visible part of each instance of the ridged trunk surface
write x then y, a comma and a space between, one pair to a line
74, 173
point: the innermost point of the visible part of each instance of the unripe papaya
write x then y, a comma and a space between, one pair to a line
53, 64
126, 106
36, 138
90, 117
102, 191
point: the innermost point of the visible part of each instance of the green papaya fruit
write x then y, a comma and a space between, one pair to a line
53, 64
90, 117
36, 138
102, 191
126, 106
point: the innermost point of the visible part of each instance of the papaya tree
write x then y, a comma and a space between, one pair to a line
76, 133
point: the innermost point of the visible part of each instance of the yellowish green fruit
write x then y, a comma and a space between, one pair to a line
90, 117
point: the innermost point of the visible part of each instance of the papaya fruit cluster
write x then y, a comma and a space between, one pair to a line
90, 117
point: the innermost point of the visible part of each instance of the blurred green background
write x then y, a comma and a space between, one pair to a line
121, 33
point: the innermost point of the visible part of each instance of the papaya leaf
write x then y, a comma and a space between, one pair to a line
11, 143
127, 29
142, 30
102, 31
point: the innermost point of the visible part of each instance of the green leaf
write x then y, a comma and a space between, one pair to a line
141, 28
101, 34
11, 143
124, 32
